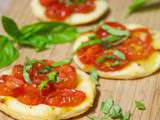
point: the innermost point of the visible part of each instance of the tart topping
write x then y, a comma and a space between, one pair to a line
43, 82
59, 10
112, 46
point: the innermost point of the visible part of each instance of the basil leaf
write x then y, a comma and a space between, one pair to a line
94, 75
27, 67
115, 31
10, 27
116, 63
116, 112
40, 35
103, 58
44, 34
120, 54
8, 53
52, 76
140, 105
88, 43
126, 116
62, 62
111, 39
107, 105
93, 118
46, 69
136, 4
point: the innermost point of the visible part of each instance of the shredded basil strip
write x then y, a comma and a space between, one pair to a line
107, 105
116, 31
140, 105
103, 58
94, 76
62, 62
46, 69
111, 39
120, 54
52, 76
27, 67
136, 5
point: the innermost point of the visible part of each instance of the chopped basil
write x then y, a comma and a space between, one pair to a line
111, 39
52, 76
115, 31
116, 63
27, 67
140, 105
116, 112
46, 69
62, 62
126, 116
73, 2
135, 5
120, 54
93, 118
107, 105
8, 53
88, 43
94, 75
103, 58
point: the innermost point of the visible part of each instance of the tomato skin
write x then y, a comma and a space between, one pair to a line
89, 54
65, 97
58, 12
31, 96
17, 71
48, 2
68, 76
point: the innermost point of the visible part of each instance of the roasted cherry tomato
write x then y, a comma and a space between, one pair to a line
58, 12
89, 54
138, 46
65, 97
67, 76
31, 96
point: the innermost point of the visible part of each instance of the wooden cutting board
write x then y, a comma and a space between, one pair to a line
123, 92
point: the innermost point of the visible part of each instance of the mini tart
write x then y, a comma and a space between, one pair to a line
136, 69
20, 111
74, 19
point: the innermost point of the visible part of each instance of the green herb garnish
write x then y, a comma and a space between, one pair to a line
115, 31
136, 5
140, 105
94, 75
103, 58
120, 54
52, 76
40, 35
27, 67
46, 69
107, 105
8, 53
62, 62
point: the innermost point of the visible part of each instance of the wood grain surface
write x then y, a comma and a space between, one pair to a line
123, 92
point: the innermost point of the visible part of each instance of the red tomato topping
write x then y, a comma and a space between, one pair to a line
62, 91
58, 10
138, 46
65, 97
